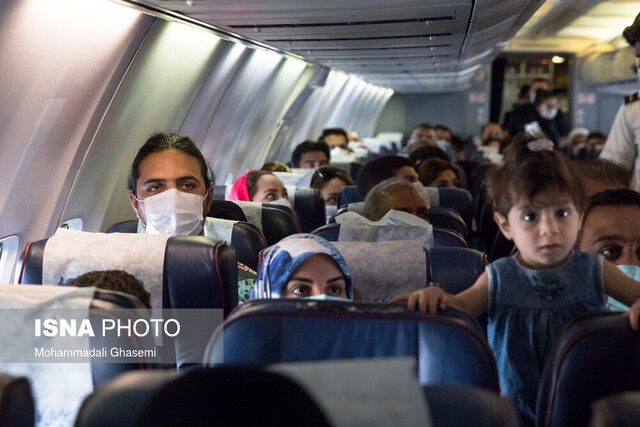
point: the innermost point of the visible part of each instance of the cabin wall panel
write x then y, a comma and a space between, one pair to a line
61, 63
156, 95
238, 136
463, 111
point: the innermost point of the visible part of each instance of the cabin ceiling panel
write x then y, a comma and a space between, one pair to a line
332, 31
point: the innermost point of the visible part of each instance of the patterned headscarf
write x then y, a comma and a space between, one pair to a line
287, 255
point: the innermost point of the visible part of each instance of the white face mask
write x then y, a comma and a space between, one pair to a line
444, 145
632, 271
282, 202
548, 113
173, 212
329, 210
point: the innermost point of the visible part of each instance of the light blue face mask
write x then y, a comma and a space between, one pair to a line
632, 271
325, 297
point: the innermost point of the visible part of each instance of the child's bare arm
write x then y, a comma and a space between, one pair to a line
472, 301
624, 289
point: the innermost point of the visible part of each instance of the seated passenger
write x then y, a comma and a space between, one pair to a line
330, 181
170, 185
335, 138
396, 194
421, 135
259, 186
577, 140
611, 227
310, 155
600, 174
438, 173
171, 191
421, 154
353, 136
377, 170
491, 131
538, 203
303, 266
275, 167
114, 280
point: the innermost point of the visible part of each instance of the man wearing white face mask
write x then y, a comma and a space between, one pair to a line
171, 191
617, 241
170, 186
623, 142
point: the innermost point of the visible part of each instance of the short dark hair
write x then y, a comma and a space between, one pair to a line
617, 197
307, 147
377, 170
604, 171
325, 174
524, 91
596, 134
542, 95
429, 170
334, 131
427, 152
275, 167
252, 181
114, 280
159, 142
442, 127
526, 173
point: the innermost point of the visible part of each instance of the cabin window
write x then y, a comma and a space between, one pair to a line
8, 255
73, 224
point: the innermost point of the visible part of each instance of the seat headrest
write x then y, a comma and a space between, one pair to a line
197, 272
448, 218
349, 194
246, 239
602, 345
212, 396
459, 200
226, 210
16, 401
449, 347
275, 222
309, 206
442, 238
399, 267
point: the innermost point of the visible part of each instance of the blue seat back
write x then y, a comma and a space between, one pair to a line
459, 200
450, 349
596, 356
349, 194
448, 218
307, 203
441, 237
276, 222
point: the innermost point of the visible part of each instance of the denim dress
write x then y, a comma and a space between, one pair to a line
527, 311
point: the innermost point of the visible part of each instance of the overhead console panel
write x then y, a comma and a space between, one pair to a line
406, 45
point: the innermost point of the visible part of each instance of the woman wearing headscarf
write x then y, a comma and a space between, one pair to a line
303, 266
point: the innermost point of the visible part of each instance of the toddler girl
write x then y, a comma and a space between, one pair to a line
538, 203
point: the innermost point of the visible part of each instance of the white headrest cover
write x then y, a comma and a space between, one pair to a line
253, 212
58, 388
70, 253
219, 229
355, 392
381, 270
395, 225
